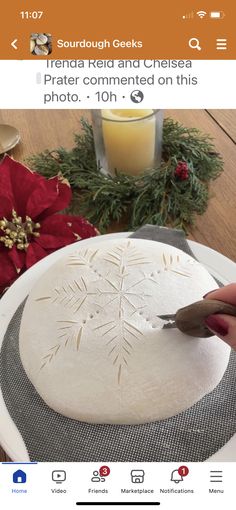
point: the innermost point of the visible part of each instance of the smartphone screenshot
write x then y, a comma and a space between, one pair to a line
117, 255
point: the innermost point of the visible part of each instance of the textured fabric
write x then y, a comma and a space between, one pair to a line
193, 435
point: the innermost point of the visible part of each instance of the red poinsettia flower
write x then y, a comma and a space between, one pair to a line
30, 229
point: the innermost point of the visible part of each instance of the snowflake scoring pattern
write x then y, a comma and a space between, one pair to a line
119, 334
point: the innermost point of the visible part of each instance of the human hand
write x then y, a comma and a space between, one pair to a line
224, 326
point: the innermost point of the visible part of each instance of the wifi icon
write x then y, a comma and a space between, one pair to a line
201, 14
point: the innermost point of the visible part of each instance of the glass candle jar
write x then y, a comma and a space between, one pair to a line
129, 141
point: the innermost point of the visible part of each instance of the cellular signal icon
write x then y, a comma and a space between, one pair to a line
201, 14
190, 15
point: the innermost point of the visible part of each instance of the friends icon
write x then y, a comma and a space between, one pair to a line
101, 474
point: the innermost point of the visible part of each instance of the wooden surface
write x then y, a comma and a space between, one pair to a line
47, 129
226, 120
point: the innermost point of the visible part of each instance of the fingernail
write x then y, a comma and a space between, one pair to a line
210, 292
217, 324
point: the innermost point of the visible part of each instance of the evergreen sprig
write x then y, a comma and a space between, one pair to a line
156, 197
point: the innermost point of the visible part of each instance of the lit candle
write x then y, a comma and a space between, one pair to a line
129, 139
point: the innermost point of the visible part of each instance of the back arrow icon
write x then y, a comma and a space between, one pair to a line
13, 44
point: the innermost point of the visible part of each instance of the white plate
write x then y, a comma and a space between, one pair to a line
10, 438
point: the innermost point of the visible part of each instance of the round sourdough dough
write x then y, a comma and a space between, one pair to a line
92, 344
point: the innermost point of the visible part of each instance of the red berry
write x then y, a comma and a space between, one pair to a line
182, 171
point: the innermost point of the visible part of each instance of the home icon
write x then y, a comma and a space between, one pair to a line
137, 476
19, 476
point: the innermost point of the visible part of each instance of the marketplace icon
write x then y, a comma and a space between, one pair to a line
137, 475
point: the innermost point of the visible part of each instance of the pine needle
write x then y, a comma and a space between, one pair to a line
156, 197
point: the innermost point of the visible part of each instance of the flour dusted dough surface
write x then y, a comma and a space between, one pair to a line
92, 344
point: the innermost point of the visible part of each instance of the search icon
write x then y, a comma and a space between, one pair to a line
194, 44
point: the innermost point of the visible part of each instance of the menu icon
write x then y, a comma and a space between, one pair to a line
216, 476
221, 44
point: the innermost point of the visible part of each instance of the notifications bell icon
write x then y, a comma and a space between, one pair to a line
176, 476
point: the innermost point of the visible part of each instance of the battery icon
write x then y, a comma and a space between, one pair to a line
217, 14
